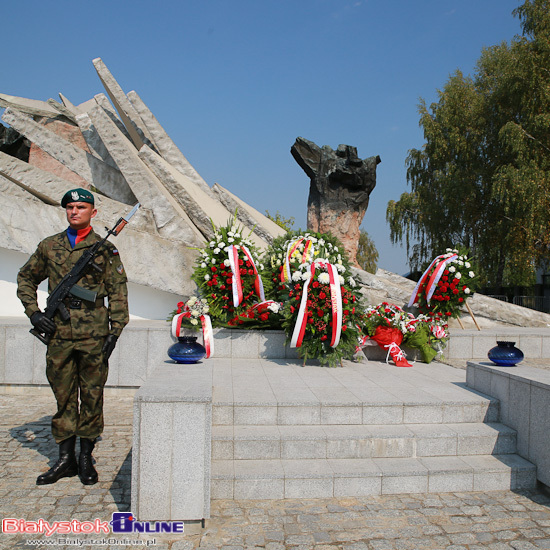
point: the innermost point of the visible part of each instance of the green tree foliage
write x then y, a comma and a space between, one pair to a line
482, 179
367, 254
281, 221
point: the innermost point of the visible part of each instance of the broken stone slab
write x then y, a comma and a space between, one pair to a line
253, 219
200, 207
78, 109
62, 110
32, 107
50, 189
170, 218
94, 171
105, 104
166, 147
25, 222
11, 188
94, 142
129, 116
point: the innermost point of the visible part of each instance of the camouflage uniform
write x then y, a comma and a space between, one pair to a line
74, 359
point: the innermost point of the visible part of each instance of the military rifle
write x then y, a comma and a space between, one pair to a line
67, 286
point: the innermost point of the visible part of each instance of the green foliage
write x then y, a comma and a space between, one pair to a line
285, 223
367, 255
482, 178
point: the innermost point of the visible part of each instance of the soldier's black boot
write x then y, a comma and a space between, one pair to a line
66, 465
86, 471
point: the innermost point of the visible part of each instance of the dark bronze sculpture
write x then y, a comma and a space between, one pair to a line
341, 184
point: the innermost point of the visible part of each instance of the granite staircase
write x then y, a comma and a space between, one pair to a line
281, 430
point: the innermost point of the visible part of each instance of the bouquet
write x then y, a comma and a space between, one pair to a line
193, 315
190, 313
445, 285
390, 326
386, 324
226, 273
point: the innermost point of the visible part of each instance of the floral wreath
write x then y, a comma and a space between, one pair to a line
445, 285
227, 274
320, 311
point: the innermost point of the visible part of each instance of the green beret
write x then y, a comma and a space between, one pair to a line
77, 195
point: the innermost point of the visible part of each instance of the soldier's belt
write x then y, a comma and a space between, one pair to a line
77, 303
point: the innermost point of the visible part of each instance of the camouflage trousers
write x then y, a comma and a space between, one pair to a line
77, 372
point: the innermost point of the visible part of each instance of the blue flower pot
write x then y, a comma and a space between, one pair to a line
186, 350
505, 354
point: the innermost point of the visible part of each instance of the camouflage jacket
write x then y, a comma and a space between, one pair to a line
52, 260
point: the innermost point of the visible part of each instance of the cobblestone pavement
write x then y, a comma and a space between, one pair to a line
453, 521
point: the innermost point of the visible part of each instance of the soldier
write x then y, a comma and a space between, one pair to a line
78, 353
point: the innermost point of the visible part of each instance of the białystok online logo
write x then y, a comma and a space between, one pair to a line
122, 522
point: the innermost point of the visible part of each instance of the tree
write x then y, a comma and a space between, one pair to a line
285, 223
482, 179
367, 254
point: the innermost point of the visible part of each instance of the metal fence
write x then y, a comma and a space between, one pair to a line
540, 303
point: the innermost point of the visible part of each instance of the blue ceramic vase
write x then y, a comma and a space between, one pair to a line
505, 354
186, 350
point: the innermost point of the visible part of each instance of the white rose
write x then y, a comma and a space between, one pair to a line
194, 321
471, 274
342, 282
230, 240
467, 291
216, 251
452, 269
221, 244
226, 263
467, 264
203, 265
195, 313
207, 277
458, 275
460, 262
212, 244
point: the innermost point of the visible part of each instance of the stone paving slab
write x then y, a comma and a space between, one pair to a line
501, 520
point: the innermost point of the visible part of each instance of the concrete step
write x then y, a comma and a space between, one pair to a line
375, 412
353, 477
360, 441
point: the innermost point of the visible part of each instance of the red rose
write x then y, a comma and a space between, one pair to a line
213, 269
455, 291
315, 284
264, 316
461, 300
241, 262
320, 312
345, 300
292, 309
251, 272
322, 295
344, 327
324, 337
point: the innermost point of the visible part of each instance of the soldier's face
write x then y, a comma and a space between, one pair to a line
80, 214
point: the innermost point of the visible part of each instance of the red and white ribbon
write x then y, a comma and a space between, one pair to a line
236, 282
336, 307
286, 275
207, 333
440, 262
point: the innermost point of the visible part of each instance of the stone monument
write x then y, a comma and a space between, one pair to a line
341, 184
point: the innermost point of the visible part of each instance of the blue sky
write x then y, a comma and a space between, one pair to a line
235, 82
